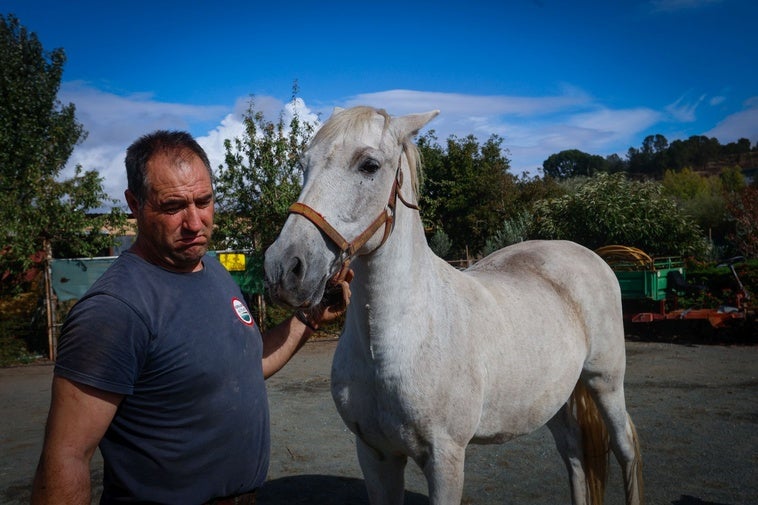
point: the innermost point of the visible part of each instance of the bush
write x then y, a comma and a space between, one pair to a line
610, 209
720, 285
14, 333
440, 243
22, 326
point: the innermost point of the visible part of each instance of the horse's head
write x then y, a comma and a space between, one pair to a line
353, 169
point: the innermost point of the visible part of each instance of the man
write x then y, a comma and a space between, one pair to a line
160, 363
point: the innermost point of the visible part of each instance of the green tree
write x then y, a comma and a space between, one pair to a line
703, 150
700, 197
614, 164
530, 189
652, 157
742, 146
514, 230
440, 243
466, 189
37, 136
611, 209
695, 152
733, 179
261, 178
573, 162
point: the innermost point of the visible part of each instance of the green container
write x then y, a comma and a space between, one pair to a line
647, 284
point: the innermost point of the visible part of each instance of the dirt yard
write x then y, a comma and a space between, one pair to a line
695, 406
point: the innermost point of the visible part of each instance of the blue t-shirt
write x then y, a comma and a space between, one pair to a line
186, 353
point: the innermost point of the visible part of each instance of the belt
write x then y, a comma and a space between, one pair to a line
240, 499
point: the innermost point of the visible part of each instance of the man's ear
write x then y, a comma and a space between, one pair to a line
131, 201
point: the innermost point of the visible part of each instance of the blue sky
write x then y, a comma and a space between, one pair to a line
545, 75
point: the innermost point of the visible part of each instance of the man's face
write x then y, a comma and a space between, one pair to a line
176, 222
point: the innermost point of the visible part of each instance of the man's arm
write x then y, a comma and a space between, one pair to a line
281, 342
79, 416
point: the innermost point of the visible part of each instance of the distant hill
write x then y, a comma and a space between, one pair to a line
748, 162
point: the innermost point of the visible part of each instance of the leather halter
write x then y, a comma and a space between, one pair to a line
348, 250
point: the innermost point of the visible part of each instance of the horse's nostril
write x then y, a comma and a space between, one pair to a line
297, 268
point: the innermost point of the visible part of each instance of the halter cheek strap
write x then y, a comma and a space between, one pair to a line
349, 249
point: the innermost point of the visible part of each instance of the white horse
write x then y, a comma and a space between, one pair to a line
431, 358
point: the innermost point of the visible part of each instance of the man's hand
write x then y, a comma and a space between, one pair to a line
333, 304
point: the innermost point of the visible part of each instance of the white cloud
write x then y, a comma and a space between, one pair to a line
232, 127
683, 109
611, 126
408, 101
110, 118
213, 143
303, 112
742, 124
533, 128
716, 100
115, 121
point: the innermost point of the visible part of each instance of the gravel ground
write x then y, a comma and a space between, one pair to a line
695, 405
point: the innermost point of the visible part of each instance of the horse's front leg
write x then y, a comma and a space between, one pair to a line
384, 475
444, 473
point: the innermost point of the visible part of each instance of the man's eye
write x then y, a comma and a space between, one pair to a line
172, 207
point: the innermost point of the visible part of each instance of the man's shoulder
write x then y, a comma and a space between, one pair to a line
213, 266
127, 269
211, 261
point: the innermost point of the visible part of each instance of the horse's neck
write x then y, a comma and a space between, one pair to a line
400, 259
390, 278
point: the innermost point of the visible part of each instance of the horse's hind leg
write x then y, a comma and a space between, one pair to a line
443, 469
567, 435
384, 475
609, 397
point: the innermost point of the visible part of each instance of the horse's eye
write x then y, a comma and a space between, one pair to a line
369, 166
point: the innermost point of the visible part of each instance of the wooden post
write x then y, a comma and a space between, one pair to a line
261, 312
52, 341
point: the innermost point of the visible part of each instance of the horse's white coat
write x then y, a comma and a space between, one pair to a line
432, 358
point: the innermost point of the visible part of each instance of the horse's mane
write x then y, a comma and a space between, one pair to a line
357, 118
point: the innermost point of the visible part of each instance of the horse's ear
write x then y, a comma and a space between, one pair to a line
337, 110
407, 126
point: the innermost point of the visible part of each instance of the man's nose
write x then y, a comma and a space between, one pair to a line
192, 219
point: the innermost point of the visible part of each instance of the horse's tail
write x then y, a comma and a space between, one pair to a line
595, 442
634, 483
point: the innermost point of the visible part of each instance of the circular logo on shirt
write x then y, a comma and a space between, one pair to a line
242, 313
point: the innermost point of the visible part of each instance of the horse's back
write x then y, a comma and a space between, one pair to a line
582, 280
558, 259
572, 270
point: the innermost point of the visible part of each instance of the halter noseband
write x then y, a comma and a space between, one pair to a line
349, 249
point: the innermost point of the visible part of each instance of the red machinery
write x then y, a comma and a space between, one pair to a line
659, 282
